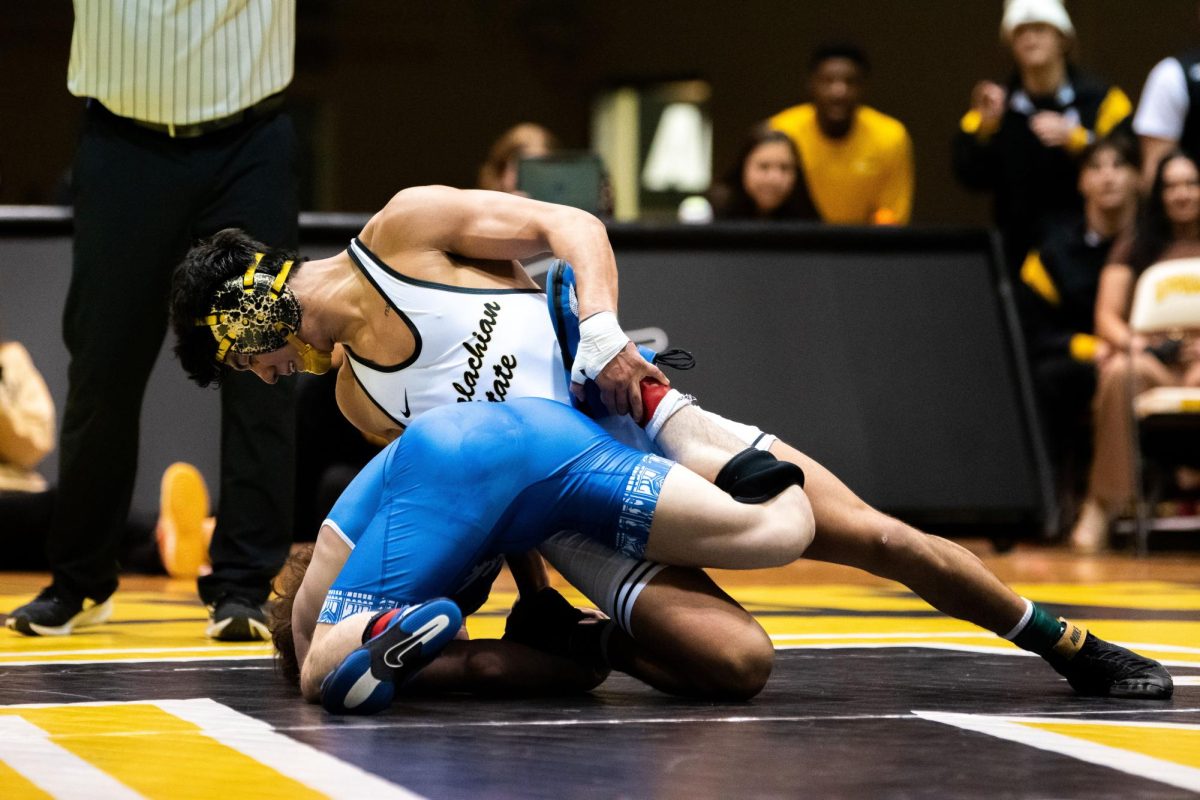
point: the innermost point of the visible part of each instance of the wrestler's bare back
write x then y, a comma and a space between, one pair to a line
386, 338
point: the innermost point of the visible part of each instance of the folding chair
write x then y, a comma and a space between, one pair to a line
1166, 427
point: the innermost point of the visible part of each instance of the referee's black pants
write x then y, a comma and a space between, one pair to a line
141, 200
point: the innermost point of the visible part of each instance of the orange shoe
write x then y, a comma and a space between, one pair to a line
183, 528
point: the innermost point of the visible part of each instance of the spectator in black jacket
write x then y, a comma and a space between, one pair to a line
1058, 287
1021, 142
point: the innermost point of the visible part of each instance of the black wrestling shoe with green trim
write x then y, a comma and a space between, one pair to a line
1097, 668
236, 619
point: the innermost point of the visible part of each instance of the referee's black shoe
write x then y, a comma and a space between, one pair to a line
1103, 669
57, 612
236, 619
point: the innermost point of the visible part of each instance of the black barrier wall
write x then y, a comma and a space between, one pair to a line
887, 355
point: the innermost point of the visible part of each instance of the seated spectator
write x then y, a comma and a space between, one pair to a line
1168, 228
27, 432
1166, 118
526, 140
26, 425
858, 163
765, 182
1022, 142
1058, 297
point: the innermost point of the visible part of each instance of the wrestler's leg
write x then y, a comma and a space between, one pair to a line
947, 576
501, 668
688, 636
698, 525
483, 666
849, 531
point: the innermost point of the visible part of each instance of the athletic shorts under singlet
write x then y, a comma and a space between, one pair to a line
468, 482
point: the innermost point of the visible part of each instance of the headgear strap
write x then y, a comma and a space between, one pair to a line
254, 315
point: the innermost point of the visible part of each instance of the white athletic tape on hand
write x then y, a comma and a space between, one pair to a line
600, 340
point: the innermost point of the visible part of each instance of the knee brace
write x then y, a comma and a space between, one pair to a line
755, 476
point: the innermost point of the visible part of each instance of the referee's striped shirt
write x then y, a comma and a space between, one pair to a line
181, 62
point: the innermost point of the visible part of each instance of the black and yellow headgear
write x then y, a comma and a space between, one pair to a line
256, 313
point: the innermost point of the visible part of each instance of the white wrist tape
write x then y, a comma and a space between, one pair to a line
600, 340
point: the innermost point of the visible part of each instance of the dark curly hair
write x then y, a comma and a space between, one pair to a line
279, 616
208, 265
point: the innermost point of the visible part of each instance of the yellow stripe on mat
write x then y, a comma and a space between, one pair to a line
1177, 743
18, 787
158, 754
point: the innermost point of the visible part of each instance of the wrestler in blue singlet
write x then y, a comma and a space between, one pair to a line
470, 481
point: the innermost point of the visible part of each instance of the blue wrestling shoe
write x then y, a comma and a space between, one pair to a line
366, 680
564, 316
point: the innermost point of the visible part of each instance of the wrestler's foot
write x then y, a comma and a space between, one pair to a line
366, 680
1103, 669
57, 612
547, 622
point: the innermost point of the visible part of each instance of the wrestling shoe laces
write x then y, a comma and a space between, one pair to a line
1103, 669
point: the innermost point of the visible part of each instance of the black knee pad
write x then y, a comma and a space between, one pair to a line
755, 476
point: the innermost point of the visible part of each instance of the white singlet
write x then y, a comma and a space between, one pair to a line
472, 345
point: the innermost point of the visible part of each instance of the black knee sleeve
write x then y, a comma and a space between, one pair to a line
755, 476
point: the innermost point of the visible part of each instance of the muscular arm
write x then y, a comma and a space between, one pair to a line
528, 571
497, 226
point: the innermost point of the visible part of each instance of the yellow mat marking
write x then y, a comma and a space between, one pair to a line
187, 749
1176, 743
1159, 751
17, 787
169, 625
159, 754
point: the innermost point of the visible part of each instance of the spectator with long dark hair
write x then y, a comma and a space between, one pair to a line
765, 182
1168, 228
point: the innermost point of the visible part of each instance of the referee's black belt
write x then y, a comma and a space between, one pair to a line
263, 108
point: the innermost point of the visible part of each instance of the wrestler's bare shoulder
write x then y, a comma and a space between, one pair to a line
425, 233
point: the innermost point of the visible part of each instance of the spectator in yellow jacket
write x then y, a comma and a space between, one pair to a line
858, 162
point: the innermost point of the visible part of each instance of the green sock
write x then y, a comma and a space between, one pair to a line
1040, 633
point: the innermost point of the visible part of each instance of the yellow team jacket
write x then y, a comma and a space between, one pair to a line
865, 178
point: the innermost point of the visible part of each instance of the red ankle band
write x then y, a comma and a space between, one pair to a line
380, 622
652, 394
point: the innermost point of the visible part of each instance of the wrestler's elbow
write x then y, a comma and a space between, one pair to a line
310, 684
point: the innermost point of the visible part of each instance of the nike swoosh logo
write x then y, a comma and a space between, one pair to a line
394, 657
406, 413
